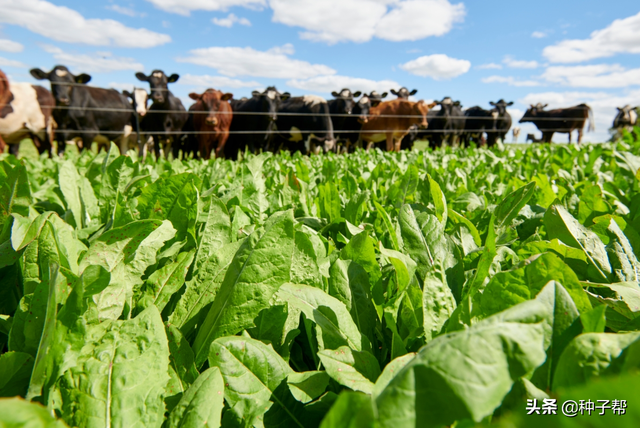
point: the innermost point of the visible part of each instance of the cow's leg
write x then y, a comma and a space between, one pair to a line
156, 146
390, 146
579, 135
569, 136
14, 149
222, 141
547, 137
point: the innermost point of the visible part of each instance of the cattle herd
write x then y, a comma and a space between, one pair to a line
218, 124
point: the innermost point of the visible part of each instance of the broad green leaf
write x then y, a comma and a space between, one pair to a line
15, 372
351, 410
202, 404
461, 375
125, 252
390, 371
69, 182
623, 261
181, 361
388, 225
596, 354
438, 303
120, 375
335, 327
19, 413
164, 282
560, 224
308, 386
15, 193
353, 369
277, 325
361, 249
622, 301
594, 321
439, 201
259, 268
255, 379
511, 205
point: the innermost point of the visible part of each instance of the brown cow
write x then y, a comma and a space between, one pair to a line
391, 121
25, 111
214, 127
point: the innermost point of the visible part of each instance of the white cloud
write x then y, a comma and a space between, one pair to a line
230, 20
217, 82
509, 80
622, 36
326, 84
593, 76
490, 66
184, 7
514, 63
121, 86
4, 62
10, 46
274, 63
66, 25
437, 66
100, 62
603, 105
125, 11
333, 21
539, 34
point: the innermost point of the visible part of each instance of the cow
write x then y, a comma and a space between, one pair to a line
139, 102
25, 111
349, 130
445, 125
166, 116
501, 124
626, 118
563, 120
340, 108
495, 122
304, 124
253, 122
210, 117
390, 121
83, 111
516, 134
376, 98
403, 93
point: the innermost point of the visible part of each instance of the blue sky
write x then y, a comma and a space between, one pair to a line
557, 52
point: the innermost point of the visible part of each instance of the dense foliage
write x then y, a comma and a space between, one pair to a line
370, 289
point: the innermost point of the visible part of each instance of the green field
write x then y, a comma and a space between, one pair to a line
422, 288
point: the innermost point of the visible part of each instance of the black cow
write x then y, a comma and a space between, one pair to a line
626, 118
403, 93
376, 98
445, 125
84, 111
304, 124
564, 120
502, 122
253, 122
166, 116
340, 108
495, 122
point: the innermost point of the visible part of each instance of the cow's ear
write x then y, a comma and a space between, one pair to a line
335, 94
384, 95
433, 104
227, 96
39, 74
83, 78
492, 103
127, 93
357, 94
173, 78
194, 96
619, 108
545, 106
510, 103
393, 91
255, 94
413, 92
142, 77
285, 96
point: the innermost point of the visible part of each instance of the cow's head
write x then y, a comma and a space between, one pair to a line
158, 83
421, 108
532, 112
211, 101
270, 99
139, 98
345, 97
376, 98
403, 93
364, 106
627, 117
501, 106
62, 82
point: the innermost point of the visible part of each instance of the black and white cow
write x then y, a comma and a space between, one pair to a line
253, 122
403, 93
626, 118
166, 116
445, 125
340, 108
502, 123
83, 111
376, 98
304, 124
495, 122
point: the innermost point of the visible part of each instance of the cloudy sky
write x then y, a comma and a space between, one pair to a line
558, 52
